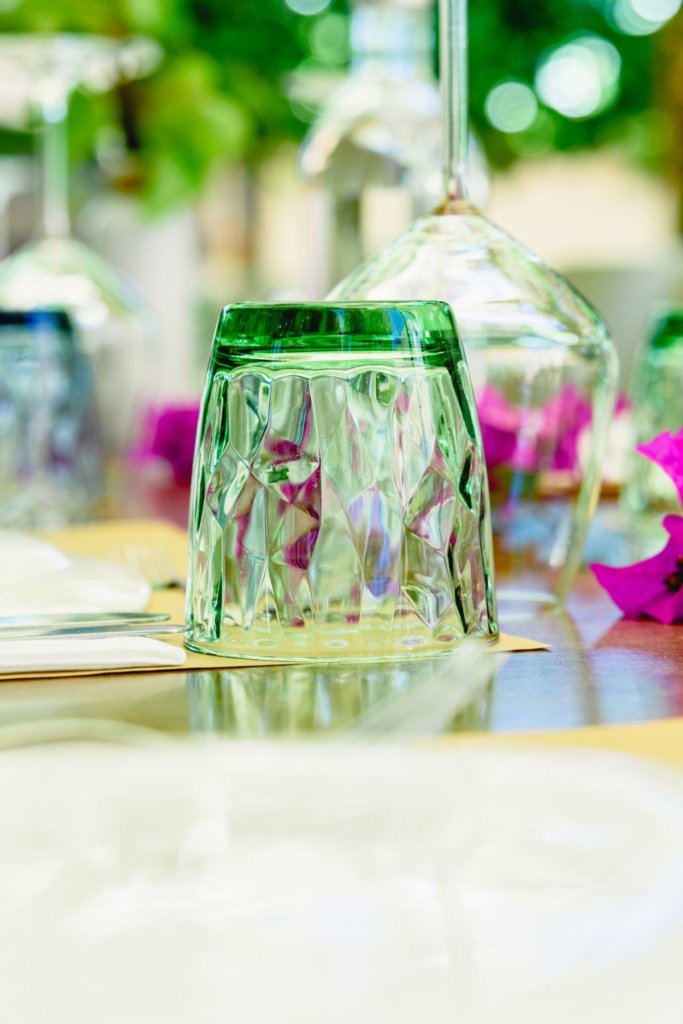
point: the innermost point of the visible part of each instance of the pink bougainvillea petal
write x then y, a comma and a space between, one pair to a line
668, 608
667, 451
533, 439
653, 587
633, 588
500, 422
169, 435
577, 413
564, 417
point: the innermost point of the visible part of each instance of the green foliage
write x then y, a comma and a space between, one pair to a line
186, 124
524, 31
215, 98
218, 96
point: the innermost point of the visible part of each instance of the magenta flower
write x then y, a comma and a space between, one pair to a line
500, 422
667, 451
169, 435
532, 439
654, 587
564, 417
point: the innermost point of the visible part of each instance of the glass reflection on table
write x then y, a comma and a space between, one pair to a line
404, 698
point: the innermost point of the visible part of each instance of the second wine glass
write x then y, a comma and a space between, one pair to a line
541, 359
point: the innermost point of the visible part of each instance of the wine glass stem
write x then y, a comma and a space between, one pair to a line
453, 69
54, 154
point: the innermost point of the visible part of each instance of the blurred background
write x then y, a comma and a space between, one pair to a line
261, 149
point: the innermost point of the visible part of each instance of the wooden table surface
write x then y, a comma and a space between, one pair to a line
600, 670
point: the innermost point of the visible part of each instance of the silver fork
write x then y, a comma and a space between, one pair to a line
90, 632
151, 561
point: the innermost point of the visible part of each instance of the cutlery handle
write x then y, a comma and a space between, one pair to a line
82, 619
89, 632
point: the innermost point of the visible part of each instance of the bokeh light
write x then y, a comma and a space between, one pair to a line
511, 106
308, 7
329, 39
580, 78
643, 17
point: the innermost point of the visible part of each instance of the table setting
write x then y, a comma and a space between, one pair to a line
386, 866
63, 614
354, 687
74, 584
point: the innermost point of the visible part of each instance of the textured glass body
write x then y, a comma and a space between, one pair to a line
544, 373
339, 504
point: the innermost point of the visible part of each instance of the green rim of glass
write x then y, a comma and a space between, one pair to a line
666, 326
291, 329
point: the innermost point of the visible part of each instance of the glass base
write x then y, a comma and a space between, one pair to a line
355, 644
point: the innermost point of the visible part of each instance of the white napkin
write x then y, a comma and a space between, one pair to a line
36, 579
64, 653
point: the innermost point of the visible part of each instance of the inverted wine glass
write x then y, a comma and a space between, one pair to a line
541, 360
55, 270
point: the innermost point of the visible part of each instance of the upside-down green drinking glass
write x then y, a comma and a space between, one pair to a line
339, 504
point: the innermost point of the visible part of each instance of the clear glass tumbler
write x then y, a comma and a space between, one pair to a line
339, 505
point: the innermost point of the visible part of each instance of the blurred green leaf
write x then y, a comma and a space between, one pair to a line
187, 125
219, 94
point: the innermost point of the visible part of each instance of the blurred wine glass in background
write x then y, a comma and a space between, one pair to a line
375, 145
15, 171
55, 270
657, 392
50, 452
542, 362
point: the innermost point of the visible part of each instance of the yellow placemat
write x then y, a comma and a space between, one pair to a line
661, 740
110, 540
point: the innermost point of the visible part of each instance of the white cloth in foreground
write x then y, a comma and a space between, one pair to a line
264, 883
36, 579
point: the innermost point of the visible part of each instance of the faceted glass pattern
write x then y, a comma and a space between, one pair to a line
340, 506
